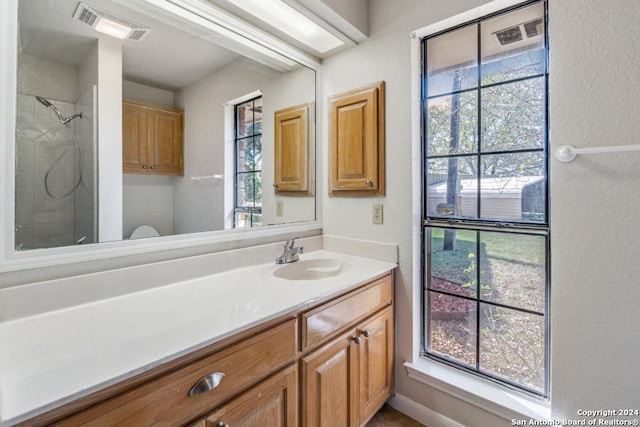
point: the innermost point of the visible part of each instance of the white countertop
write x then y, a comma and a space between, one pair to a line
53, 358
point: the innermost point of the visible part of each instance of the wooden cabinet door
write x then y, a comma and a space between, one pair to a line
357, 142
272, 403
166, 142
292, 150
135, 149
329, 384
152, 139
375, 361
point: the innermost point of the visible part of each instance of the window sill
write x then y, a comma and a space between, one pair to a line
496, 399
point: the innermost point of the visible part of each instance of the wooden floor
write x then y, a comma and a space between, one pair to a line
389, 417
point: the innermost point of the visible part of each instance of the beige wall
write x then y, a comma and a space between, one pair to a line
595, 239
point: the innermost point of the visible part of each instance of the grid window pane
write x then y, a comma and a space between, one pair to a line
513, 116
248, 190
452, 61
452, 187
512, 187
513, 270
241, 161
247, 219
249, 154
512, 346
512, 45
452, 328
248, 173
244, 119
452, 123
453, 261
256, 153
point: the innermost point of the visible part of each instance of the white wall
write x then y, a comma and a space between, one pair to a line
149, 94
294, 88
595, 235
595, 239
199, 205
110, 139
49, 79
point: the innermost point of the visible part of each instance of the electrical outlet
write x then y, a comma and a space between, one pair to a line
377, 213
279, 208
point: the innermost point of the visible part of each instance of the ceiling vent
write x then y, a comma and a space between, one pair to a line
110, 24
516, 33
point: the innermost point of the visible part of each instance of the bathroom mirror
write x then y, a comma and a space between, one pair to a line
74, 73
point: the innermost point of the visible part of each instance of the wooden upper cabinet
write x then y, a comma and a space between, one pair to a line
357, 142
152, 139
292, 150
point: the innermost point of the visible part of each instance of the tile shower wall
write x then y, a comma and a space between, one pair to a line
43, 221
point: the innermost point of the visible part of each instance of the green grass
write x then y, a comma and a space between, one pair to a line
511, 265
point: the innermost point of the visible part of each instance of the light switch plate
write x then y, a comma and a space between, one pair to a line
279, 208
377, 213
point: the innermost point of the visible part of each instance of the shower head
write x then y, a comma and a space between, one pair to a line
44, 102
63, 120
48, 104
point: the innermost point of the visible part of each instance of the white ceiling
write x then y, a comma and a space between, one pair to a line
168, 57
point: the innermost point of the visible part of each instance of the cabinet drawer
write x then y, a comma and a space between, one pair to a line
273, 402
165, 401
323, 322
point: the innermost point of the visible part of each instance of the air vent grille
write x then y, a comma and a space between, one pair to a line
87, 16
92, 16
515, 34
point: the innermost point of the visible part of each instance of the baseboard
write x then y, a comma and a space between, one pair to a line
421, 413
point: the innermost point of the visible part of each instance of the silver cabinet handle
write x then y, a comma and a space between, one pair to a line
356, 340
207, 383
152, 167
366, 333
369, 183
222, 424
144, 166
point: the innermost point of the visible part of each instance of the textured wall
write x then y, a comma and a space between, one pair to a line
199, 206
594, 201
295, 88
593, 99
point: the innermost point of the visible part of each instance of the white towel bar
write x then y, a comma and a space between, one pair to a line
567, 153
201, 177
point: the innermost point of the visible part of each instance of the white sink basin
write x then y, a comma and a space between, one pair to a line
311, 269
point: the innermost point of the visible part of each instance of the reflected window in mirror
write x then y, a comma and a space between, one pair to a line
248, 167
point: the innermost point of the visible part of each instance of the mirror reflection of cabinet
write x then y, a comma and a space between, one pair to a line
152, 139
357, 142
292, 150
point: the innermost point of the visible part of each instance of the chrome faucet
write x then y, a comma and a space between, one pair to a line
290, 252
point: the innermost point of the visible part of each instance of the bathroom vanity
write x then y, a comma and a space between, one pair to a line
260, 343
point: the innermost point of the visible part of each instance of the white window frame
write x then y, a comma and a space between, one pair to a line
483, 393
229, 155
